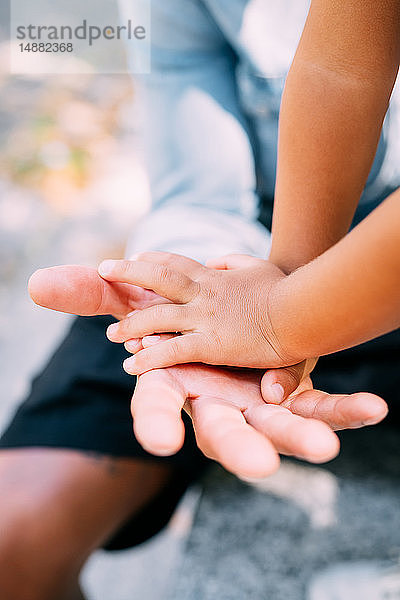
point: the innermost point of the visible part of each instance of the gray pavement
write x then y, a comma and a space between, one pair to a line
268, 542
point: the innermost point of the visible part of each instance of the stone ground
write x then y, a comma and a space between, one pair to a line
269, 542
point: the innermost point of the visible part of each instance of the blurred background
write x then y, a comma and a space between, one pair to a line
71, 190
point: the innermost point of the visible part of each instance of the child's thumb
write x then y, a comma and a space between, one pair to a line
278, 384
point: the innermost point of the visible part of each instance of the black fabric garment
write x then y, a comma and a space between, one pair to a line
81, 400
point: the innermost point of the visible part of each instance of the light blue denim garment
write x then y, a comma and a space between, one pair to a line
209, 122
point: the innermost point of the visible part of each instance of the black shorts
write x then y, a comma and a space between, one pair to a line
81, 401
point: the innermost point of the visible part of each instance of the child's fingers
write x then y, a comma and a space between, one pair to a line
233, 261
178, 350
135, 345
155, 319
185, 265
278, 384
166, 282
339, 411
223, 434
156, 410
308, 439
152, 340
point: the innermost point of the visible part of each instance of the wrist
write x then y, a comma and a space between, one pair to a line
289, 323
288, 259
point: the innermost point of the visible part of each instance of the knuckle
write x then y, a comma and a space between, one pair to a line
195, 288
174, 351
200, 348
163, 273
142, 360
158, 313
125, 327
127, 267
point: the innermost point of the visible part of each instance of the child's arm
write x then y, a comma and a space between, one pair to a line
346, 296
343, 75
335, 99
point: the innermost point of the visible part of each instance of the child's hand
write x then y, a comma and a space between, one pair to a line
276, 384
80, 290
222, 312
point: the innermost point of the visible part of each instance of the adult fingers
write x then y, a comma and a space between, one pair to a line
278, 384
185, 265
177, 350
166, 282
307, 439
337, 410
233, 261
223, 434
80, 290
156, 410
156, 319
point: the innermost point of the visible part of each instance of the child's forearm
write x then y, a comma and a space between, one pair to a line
334, 102
348, 295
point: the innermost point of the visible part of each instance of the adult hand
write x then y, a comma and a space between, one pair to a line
81, 291
235, 426
232, 422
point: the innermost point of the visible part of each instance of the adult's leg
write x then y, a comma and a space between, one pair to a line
56, 507
64, 488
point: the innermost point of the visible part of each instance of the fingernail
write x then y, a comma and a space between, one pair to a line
372, 420
134, 256
276, 393
106, 267
151, 340
129, 365
112, 330
132, 344
163, 451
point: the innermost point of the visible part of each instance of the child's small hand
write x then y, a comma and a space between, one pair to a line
221, 311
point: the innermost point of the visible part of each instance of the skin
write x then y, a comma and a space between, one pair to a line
57, 507
354, 284
336, 96
335, 99
222, 314
253, 315
233, 423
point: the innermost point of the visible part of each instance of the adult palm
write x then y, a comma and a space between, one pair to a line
233, 424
